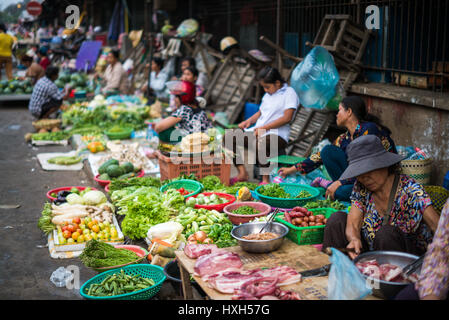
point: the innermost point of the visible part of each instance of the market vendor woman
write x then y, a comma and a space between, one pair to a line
271, 124
187, 119
389, 211
353, 116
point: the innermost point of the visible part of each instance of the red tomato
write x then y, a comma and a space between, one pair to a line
76, 226
67, 234
64, 228
71, 228
76, 220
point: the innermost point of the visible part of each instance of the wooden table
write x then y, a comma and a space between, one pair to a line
298, 257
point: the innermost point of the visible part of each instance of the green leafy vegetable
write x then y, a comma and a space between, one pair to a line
245, 210
274, 190
303, 194
325, 204
98, 254
211, 183
44, 223
117, 184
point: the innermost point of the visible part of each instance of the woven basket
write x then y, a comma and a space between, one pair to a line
419, 170
438, 195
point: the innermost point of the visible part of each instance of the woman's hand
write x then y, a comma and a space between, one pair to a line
330, 191
354, 248
245, 124
283, 172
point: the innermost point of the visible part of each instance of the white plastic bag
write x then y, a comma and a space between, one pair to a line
345, 280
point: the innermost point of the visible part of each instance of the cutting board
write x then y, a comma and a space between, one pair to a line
43, 157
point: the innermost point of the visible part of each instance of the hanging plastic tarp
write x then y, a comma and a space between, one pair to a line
119, 20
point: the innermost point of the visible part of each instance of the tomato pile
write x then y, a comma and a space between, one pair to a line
82, 230
183, 191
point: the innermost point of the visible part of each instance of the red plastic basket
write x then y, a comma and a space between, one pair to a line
218, 207
64, 189
104, 183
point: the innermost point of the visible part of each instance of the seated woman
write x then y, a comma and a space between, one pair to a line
158, 79
433, 281
353, 116
190, 74
271, 123
389, 211
115, 77
187, 119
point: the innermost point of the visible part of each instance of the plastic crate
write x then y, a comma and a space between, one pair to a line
293, 189
306, 235
144, 270
173, 167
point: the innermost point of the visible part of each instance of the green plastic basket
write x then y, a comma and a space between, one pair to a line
145, 270
194, 186
125, 134
293, 189
286, 160
306, 235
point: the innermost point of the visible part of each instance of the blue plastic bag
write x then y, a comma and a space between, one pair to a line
345, 280
315, 79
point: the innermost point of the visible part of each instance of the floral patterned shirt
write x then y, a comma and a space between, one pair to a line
362, 129
434, 276
191, 121
406, 211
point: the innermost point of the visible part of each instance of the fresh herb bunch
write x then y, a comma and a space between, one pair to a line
325, 204
211, 183
274, 190
303, 194
98, 254
245, 210
221, 235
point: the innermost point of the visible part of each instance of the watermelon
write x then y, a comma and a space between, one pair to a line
29, 90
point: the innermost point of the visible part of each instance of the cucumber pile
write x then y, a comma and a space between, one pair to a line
112, 169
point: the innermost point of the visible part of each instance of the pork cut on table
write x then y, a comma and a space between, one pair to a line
230, 280
215, 262
194, 251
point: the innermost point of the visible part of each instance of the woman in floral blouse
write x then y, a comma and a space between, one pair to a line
389, 211
353, 116
433, 283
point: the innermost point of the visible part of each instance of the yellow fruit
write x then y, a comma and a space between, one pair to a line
81, 239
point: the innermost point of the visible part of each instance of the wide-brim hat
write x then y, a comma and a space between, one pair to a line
366, 154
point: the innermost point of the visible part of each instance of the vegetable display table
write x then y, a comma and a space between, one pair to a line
301, 258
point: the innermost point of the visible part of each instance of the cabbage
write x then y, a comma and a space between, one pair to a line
167, 231
94, 197
74, 198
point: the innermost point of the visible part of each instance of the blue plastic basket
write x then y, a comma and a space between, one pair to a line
144, 270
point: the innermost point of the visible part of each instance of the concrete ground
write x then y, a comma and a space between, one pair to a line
25, 261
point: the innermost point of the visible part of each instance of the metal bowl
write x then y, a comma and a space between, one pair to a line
381, 288
259, 246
